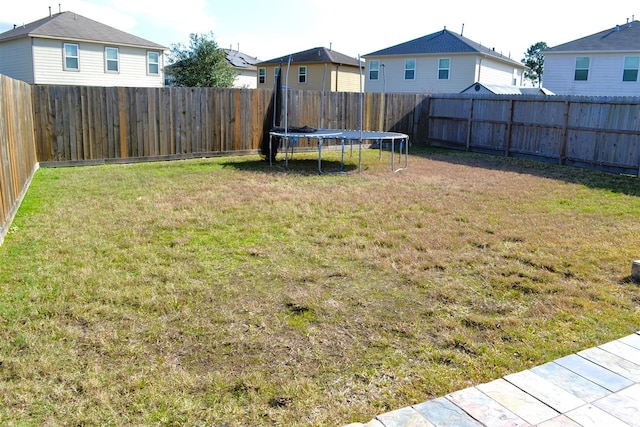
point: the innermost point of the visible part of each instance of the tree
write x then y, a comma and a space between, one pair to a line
201, 64
535, 61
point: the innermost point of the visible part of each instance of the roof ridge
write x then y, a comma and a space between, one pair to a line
73, 26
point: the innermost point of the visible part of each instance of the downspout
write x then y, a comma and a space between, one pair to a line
479, 69
337, 75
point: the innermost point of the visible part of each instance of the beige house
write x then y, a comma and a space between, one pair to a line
314, 69
68, 49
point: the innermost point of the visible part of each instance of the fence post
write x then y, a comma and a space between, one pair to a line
469, 124
507, 143
564, 136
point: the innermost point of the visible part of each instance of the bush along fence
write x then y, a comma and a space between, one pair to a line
18, 160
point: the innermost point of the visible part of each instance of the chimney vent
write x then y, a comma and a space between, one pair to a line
49, 11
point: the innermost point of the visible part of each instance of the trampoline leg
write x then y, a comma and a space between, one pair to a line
270, 150
320, 155
360, 157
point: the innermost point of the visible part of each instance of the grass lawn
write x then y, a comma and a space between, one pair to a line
227, 292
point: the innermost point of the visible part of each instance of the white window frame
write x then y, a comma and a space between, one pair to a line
107, 60
302, 74
407, 68
65, 56
631, 67
150, 63
262, 75
374, 67
442, 68
582, 69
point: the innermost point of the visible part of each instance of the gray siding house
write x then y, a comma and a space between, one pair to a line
441, 62
602, 64
69, 49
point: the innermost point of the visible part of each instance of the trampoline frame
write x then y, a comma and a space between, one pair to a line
344, 135
341, 135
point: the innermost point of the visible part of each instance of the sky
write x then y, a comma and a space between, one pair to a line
268, 29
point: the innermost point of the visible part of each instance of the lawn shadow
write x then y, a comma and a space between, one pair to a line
617, 183
295, 166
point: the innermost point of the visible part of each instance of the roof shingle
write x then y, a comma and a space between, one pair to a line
74, 27
440, 42
315, 55
619, 38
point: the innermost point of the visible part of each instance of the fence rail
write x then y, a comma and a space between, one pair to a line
17, 148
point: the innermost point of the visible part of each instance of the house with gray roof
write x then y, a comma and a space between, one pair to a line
245, 68
441, 62
68, 49
318, 68
602, 64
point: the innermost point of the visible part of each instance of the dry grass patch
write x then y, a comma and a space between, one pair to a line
225, 291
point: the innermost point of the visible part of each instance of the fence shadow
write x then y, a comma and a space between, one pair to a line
616, 183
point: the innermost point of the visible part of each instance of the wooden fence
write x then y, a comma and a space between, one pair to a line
17, 148
95, 124
593, 132
84, 125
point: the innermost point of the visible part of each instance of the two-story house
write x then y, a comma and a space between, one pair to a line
68, 49
602, 64
314, 69
442, 62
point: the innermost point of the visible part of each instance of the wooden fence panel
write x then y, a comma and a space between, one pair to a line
18, 160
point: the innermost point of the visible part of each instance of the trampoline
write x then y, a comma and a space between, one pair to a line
290, 135
399, 140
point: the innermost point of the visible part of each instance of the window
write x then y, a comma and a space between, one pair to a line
443, 68
111, 58
262, 75
582, 68
153, 63
302, 74
409, 69
374, 70
276, 73
631, 66
71, 57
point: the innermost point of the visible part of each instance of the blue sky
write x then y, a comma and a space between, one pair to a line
269, 29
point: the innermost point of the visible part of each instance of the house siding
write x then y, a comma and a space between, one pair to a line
336, 78
494, 72
48, 66
15, 60
464, 71
605, 75
245, 79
